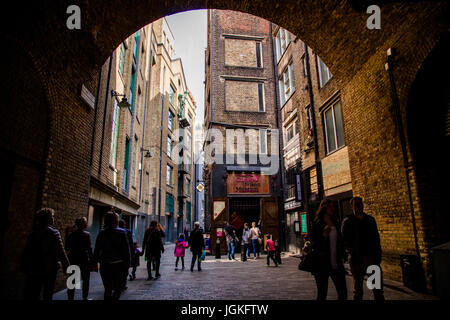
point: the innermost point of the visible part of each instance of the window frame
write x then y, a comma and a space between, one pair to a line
265, 141
169, 175
259, 59
320, 63
261, 96
331, 108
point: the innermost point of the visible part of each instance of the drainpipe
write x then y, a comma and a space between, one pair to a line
282, 182
160, 149
313, 118
104, 114
389, 66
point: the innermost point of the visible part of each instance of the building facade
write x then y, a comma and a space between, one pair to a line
143, 153
316, 163
241, 124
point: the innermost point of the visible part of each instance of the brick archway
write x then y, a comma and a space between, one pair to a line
336, 30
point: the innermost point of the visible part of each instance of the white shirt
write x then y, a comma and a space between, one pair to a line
333, 247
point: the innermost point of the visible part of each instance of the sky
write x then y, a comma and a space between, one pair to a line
189, 30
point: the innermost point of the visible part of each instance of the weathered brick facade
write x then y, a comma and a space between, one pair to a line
49, 63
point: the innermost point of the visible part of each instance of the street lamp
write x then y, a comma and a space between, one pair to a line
147, 154
123, 104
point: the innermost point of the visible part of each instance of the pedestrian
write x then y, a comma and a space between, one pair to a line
255, 237
277, 252
186, 233
270, 246
197, 244
79, 246
42, 256
328, 251
161, 230
112, 251
230, 235
122, 225
135, 261
153, 247
179, 252
362, 242
245, 238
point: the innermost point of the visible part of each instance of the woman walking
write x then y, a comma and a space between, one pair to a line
180, 250
80, 253
328, 251
255, 235
153, 247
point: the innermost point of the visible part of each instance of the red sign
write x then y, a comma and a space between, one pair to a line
219, 234
248, 183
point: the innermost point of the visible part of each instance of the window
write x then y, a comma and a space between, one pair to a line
261, 103
324, 72
286, 83
290, 133
259, 62
133, 163
169, 203
121, 59
115, 135
172, 95
309, 117
169, 175
169, 147
132, 85
126, 164
334, 128
305, 70
170, 121
188, 187
263, 141
281, 42
136, 46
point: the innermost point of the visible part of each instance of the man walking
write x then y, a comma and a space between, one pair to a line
362, 242
122, 225
245, 238
197, 243
230, 235
270, 246
112, 251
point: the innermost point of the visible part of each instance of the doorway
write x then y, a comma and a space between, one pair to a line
244, 210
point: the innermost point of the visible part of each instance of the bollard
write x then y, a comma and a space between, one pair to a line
243, 253
218, 248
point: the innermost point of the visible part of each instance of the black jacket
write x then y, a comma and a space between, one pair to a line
112, 245
153, 244
361, 238
44, 252
78, 244
321, 247
196, 241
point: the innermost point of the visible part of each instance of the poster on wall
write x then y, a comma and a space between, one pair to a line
219, 207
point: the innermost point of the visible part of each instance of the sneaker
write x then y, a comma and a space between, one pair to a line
182, 268
276, 265
157, 275
199, 269
149, 278
176, 269
254, 258
192, 269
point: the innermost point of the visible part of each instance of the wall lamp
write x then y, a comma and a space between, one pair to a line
147, 154
123, 104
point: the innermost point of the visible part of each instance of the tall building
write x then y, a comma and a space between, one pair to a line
143, 151
241, 143
316, 163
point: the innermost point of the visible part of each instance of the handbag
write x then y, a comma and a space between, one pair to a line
307, 262
203, 255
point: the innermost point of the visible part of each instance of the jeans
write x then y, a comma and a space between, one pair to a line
112, 277
85, 277
247, 249
182, 262
35, 284
231, 246
338, 277
271, 255
149, 265
359, 272
254, 244
196, 256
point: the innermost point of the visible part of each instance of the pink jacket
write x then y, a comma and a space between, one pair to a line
180, 248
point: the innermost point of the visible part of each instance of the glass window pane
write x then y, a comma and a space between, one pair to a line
261, 96
339, 124
329, 127
281, 89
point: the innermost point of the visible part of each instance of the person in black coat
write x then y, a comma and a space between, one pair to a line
153, 247
122, 225
328, 249
112, 251
42, 257
79, 246
197, 244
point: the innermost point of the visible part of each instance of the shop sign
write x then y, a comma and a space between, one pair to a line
304, 223
292, 205
219, 207
248, 183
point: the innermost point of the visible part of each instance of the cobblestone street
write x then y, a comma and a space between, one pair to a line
231, 280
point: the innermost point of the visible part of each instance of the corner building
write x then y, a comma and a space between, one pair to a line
240, 100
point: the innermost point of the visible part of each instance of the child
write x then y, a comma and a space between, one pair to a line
270, 246
180, 250
135, 261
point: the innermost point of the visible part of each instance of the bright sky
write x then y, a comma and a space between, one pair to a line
189, 29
